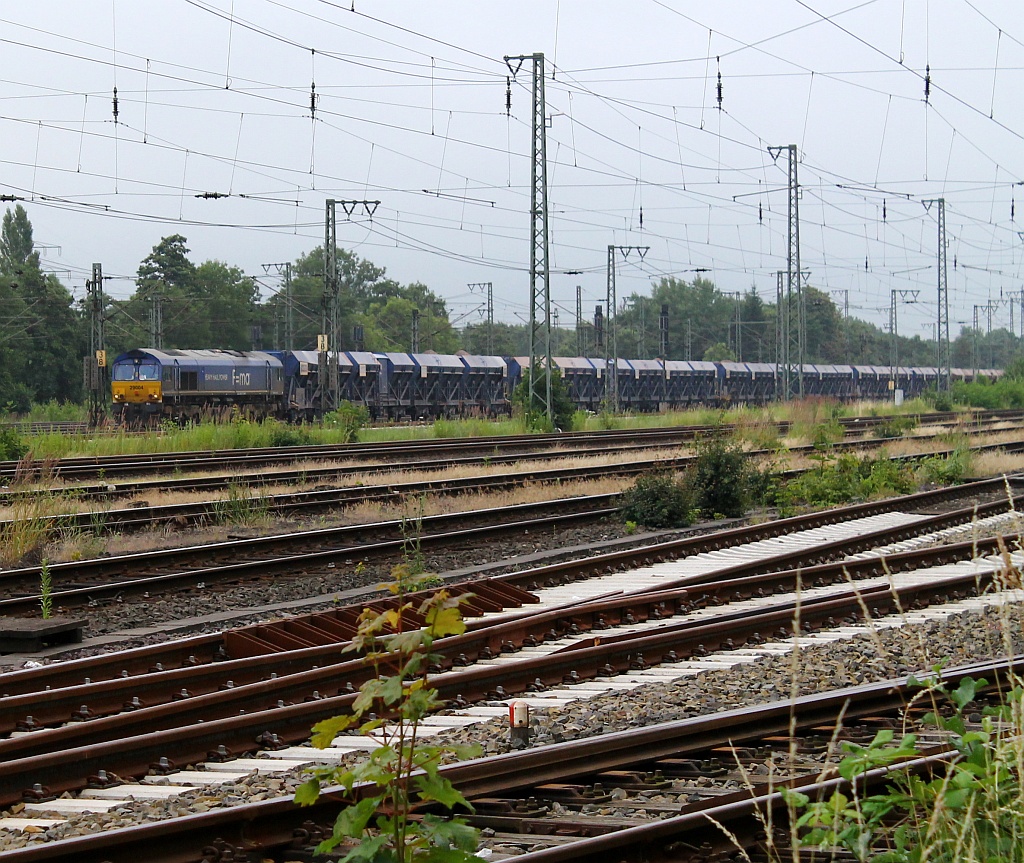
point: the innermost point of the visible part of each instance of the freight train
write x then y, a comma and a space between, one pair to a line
151, 385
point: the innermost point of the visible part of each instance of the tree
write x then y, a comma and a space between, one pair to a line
168, 266
228, 299
42, 335
366, 298
54, 338
697, 306
507, 340
823, 335
719, 352
16, 241
388, 327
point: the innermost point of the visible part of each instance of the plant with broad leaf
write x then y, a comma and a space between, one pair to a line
401, 778
969, 813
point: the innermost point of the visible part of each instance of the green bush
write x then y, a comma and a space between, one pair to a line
563, 409
285, 435
1004, 393
965, 809
722, 478
349, 418
827, 433
849, 478
941, 402
12, 447
947, 470
895, 427
658, 501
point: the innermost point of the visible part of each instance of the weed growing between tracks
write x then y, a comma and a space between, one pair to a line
722, 482
35, 522
45, 590
969, 812
968, 809
242, 506
402, 773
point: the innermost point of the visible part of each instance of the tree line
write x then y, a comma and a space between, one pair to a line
177, 303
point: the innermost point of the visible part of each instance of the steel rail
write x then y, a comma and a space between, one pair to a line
112, 567
113, 465
145, 657
107, 491
127, 743
110, 564
275, 824
443, 530
250, 653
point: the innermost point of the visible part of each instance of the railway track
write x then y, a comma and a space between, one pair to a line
287, 676
48, 427
550, 798
137, 517
397, 451
78, 584
128, 741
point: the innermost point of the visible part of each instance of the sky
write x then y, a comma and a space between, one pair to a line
276, 107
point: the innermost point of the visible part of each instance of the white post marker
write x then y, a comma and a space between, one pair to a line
519, 723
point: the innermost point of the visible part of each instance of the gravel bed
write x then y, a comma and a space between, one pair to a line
250, 601
345, 576
179, 605
880, 655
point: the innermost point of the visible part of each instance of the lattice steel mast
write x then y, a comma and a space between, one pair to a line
796, 339
944, 353
540, 274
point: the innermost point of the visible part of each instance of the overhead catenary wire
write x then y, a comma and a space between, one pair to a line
598, 171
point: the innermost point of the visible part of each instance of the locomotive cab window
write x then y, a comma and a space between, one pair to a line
124, 372
149, 372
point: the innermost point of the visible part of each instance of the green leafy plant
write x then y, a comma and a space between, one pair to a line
825, 434
242, 506
658, 500
722, 477
348, 419
12, 447
401, 778
947, 470
412, 533
280, 434
895, 427
846, 477
46, 590
526, 404
968, 811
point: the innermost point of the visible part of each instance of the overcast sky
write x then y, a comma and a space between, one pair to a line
410, 98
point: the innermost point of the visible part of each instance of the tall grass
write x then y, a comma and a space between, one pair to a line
243, 506
806, 416
33, 523
51, 411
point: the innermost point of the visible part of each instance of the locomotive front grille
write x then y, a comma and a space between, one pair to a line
136, 392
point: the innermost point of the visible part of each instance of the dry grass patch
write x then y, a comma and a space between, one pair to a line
363, 513
396, 475
997, 463
32, 524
